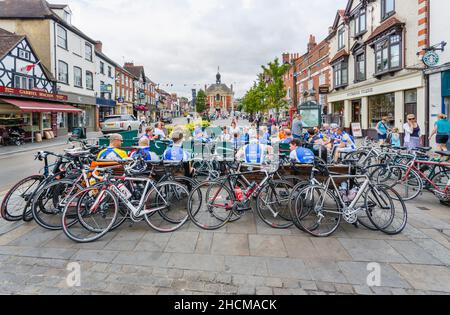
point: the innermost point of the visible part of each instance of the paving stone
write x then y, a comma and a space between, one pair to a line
291, 283
330, 249
34, 238
197, 262
274, 282
182, 242
264, 291
153, 259
356, 273
287, 268
438, 236
414, 253
146, 270
316, 293
421, 277
245, 225
267, 246
153, 242
300, 247
362, 290
207, 276
241, 280
246, 290
165, 291
17, 233
325, 286
192, 275
95, 255
230, 244
213, 287
135, 233
398, 291
223, 278
381, 291
53, 253
121, 245
246, 265
229, 289
434, 248
204, 243
372, 251
344, 288
326, 271
308, 285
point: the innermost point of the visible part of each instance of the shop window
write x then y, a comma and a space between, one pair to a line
47, 121
62, 120
382, 106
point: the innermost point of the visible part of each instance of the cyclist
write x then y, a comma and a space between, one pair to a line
344, 143
254, 152
113, 153
144, 151
176, 153
299, 154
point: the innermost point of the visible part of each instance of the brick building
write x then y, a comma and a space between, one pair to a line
124, 92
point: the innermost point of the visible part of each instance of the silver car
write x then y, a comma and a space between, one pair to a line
119, 123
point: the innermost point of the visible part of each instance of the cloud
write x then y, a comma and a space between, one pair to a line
183, 41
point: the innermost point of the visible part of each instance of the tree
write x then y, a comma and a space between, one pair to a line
200, 104
275, 91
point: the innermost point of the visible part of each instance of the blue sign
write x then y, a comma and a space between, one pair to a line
120, 100
431, 59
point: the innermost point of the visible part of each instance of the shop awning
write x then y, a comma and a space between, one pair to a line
28, 106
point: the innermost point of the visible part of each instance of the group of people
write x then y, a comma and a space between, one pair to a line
413, 133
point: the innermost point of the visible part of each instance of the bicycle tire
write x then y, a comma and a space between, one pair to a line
282, 201
7, 212
401, 210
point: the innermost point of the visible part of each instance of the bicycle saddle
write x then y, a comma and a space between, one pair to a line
443, 153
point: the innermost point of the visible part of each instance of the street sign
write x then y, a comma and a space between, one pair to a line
324, 89
120, 100
431, 59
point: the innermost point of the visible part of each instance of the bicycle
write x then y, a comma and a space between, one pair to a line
212, 204
96, 208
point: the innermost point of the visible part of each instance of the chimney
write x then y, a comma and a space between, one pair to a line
129, 64
312, 43
232, 88
99, 46
286, 58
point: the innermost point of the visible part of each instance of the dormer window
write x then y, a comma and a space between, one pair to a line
67, 17
360, 22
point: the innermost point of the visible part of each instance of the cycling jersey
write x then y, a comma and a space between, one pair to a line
112, 154
302, 155
146, 155
254, 153
348, 140
176, 154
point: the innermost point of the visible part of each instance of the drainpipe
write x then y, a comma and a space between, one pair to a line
427, 85
54, 51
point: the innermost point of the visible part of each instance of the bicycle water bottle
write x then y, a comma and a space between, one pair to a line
238, 193
124, 190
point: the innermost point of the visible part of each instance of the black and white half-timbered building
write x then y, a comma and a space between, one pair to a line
28, 98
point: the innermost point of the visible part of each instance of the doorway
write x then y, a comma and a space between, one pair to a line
356, 111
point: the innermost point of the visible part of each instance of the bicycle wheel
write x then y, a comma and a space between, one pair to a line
408, 184
272, 204
379, 209
400, 216
17, 200
172, 198
319, 211
96, 212
441, 179
50, 201
212, 208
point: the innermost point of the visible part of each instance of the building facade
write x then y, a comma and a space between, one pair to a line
124, 92
28, 98
434, 12
219, 97
140, 97
66, 51
105, 83
376, 64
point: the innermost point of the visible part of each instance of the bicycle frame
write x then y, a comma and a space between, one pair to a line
415, 162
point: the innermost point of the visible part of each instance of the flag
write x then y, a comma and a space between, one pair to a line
28, 68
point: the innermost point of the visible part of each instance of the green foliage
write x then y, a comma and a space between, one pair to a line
269, 91
200, 104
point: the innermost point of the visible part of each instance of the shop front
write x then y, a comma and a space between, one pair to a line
87, 117
39, 119
105, 108
395, 99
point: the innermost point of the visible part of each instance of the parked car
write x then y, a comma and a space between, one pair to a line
167, 120
119, 123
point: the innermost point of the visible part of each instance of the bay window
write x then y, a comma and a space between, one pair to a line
388, 54
340, 71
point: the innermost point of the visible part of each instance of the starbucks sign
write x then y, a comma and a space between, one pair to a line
431, 59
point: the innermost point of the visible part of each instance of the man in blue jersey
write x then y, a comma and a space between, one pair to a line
176, 153
344, 143
299, 154
254, 153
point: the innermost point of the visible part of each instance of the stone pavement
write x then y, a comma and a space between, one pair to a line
245, 257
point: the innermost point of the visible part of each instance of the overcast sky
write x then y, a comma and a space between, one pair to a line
181, 42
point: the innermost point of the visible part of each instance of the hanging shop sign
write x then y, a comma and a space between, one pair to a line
431, 59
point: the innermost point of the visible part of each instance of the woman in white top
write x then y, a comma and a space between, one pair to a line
234, 129
412, 133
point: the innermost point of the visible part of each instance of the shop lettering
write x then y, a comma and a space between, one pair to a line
31, 93
366, 91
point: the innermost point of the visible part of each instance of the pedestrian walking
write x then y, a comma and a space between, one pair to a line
382, 130
297, 127
442, 132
